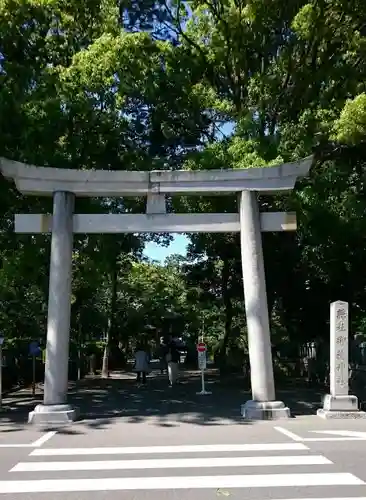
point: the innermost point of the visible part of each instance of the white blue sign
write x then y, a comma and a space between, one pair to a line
202, 360
34, 349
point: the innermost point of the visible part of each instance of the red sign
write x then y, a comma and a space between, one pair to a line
201, 347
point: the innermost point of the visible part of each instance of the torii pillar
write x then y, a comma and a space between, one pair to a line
64, 184
263, 404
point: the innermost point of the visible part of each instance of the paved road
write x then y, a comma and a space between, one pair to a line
161, 445
148, 461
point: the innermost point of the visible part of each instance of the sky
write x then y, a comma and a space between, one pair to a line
180, 242
160, 253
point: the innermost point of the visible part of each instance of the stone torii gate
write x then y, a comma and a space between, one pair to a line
64, 185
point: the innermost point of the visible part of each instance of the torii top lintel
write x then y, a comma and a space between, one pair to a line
44, 181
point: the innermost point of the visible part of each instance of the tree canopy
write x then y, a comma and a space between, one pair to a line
142, 85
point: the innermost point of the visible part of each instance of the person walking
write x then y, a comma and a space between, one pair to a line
172, 359
141, 364
164, 349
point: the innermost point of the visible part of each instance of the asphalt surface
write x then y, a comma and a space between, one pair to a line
161, 444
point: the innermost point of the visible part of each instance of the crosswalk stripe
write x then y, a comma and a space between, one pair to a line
136, 450
179, 482
172, 464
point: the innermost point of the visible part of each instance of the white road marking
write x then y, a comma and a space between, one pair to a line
172, 464
39, 442
43, 439
142, 450
179, 482
332, 439
288, 433
16, 446
353, 434
344, 435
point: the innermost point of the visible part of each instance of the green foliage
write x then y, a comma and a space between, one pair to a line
350, 128
204, 85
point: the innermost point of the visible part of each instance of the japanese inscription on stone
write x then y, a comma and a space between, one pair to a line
339, 348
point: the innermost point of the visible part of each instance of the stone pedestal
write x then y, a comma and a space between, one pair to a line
340, 407
53, 414
265, 410
264, 404
55, 408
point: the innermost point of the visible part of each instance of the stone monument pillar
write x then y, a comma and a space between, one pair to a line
339, 404
55, 408
263, 404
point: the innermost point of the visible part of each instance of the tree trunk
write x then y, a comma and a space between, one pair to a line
105, 364
111, 319
226, 296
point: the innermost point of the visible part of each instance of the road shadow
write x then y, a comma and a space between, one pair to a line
101, 401
301, 401
123, 398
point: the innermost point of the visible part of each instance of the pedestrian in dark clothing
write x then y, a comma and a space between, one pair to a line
173, 358
141, 364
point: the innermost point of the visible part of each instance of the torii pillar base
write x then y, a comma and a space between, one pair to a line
265, 410
53, 414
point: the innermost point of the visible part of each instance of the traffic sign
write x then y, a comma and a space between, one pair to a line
34, 349
201, 347
202, 362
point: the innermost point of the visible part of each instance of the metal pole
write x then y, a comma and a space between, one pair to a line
79, 348
34, 376
79, 364
203, 391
